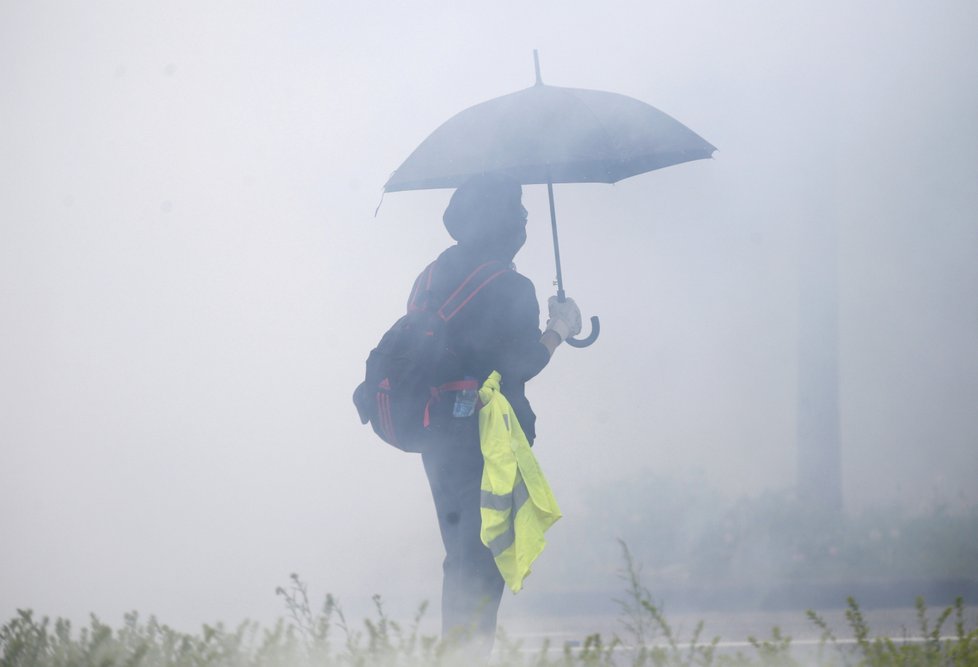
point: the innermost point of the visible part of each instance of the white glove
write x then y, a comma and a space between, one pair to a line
565, 318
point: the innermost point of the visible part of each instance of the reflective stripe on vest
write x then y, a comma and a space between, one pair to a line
510, 502
520, 495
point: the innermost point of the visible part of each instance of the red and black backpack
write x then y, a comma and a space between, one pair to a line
404, 382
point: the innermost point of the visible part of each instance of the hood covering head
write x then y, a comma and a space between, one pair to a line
487, 210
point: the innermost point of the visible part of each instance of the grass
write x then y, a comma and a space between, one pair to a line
324, 637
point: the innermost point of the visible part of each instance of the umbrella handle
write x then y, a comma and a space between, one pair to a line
593, 336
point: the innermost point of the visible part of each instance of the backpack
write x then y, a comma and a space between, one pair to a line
402, 388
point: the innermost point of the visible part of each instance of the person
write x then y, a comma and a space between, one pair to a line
498, 329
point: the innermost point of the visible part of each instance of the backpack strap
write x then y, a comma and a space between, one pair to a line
479, 278
436, 392
419, 292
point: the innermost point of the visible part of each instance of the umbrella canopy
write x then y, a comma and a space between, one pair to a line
550, 134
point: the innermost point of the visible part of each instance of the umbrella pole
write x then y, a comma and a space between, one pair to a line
553, 228
595, 324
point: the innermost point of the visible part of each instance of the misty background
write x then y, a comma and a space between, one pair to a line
192, 275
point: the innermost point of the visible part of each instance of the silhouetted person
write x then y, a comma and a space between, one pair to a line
498, 329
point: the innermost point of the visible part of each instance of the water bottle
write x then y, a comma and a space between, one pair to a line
465, 401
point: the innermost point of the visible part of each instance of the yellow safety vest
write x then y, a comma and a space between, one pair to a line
517, 503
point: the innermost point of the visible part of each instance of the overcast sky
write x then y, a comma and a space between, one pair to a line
191, 273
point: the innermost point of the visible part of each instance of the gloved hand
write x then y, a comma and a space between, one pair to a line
565, 318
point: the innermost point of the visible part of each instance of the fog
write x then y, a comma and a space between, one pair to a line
192, 275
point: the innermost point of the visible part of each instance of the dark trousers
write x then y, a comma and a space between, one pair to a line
472, 586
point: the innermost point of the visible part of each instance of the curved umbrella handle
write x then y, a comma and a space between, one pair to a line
593, 336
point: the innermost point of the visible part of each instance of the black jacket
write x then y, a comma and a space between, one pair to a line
498, 330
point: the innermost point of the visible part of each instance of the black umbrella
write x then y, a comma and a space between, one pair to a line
548, 134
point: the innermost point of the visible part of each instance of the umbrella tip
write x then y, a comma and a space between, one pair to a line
536, 66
